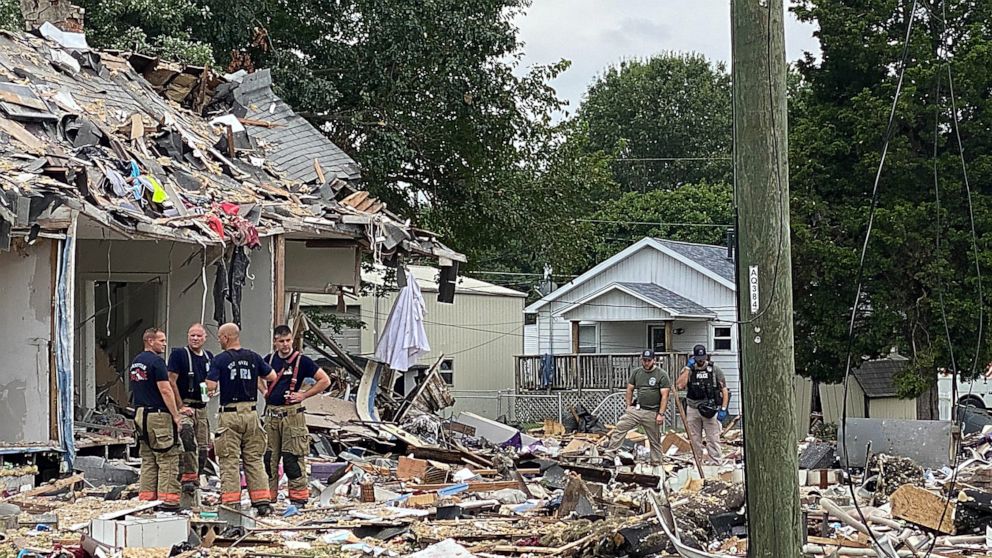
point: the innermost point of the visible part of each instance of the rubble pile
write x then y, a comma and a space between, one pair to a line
394, 478
406, 483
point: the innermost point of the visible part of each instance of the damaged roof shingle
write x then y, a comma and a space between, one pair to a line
143, 153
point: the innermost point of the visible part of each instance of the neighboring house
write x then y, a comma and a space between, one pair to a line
659, 294
478, 335
119, 194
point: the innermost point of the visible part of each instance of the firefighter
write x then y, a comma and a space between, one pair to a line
707, 398
240, 438
156, 422
285, 425
187, 370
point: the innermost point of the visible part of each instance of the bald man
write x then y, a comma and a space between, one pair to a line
187, 370
240, 438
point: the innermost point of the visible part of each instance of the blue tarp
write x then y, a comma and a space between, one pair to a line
64, 346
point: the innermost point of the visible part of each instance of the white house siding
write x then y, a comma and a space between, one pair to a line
615, 306
530, 340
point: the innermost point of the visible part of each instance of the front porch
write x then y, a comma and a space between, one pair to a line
579, 371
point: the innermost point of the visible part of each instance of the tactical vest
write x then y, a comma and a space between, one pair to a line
702, 384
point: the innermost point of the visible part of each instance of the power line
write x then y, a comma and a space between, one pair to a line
654, 223
667, 159
861, 264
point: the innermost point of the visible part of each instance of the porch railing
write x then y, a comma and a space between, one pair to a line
587, 370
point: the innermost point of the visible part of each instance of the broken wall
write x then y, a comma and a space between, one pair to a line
181, 295
27, 276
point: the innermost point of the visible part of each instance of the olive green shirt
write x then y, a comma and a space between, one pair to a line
648, 385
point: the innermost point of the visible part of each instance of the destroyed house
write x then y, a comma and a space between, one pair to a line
135, 193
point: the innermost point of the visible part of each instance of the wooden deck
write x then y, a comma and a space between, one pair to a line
587, 371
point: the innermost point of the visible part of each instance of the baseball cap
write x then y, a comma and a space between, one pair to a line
647, 353
699, 351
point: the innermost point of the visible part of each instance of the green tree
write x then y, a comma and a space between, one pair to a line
659, 213
10, 15
669, 106
839, 116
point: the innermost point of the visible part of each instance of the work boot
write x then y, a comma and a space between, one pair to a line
300, 504
172, 508
262, 510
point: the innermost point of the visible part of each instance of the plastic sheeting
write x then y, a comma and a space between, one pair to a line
404, 339
64, 297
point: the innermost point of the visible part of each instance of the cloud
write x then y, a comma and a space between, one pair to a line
595, 34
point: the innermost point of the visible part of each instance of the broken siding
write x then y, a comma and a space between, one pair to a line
26, 325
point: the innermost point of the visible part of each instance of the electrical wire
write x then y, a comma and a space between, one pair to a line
652, 223
978, 271
873, 206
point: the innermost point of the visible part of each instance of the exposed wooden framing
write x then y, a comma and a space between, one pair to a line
320, 172
278, 280
53, 386
575, 336
331, 243
669, 343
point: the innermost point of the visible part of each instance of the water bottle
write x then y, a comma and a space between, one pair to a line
203, 393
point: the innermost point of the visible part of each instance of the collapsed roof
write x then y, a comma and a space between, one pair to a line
156, 150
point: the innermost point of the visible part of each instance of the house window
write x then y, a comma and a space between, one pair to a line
722, 338
588, 338
530, 318
656, 338
447, 371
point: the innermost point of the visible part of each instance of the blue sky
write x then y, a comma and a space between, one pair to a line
595, 34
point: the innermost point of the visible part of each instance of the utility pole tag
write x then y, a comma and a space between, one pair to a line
753, 284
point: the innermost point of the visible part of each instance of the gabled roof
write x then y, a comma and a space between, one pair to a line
293, 143
684, 252
878, 377
654, 296
155, 150
713, 258
673, 303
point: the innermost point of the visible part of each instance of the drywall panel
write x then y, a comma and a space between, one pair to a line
26, 328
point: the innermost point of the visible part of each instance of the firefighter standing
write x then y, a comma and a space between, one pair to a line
156, 421
187, 370
707, 398
239, 437
285, 425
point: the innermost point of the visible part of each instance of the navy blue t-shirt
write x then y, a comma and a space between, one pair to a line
237, 371
146, 371
189, 381
284, 369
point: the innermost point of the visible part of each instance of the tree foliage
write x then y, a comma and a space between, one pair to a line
679, 214
669, 106
839, 118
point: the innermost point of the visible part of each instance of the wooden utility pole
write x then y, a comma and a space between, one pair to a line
764, 278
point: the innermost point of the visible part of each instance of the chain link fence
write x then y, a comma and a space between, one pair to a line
519, 408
